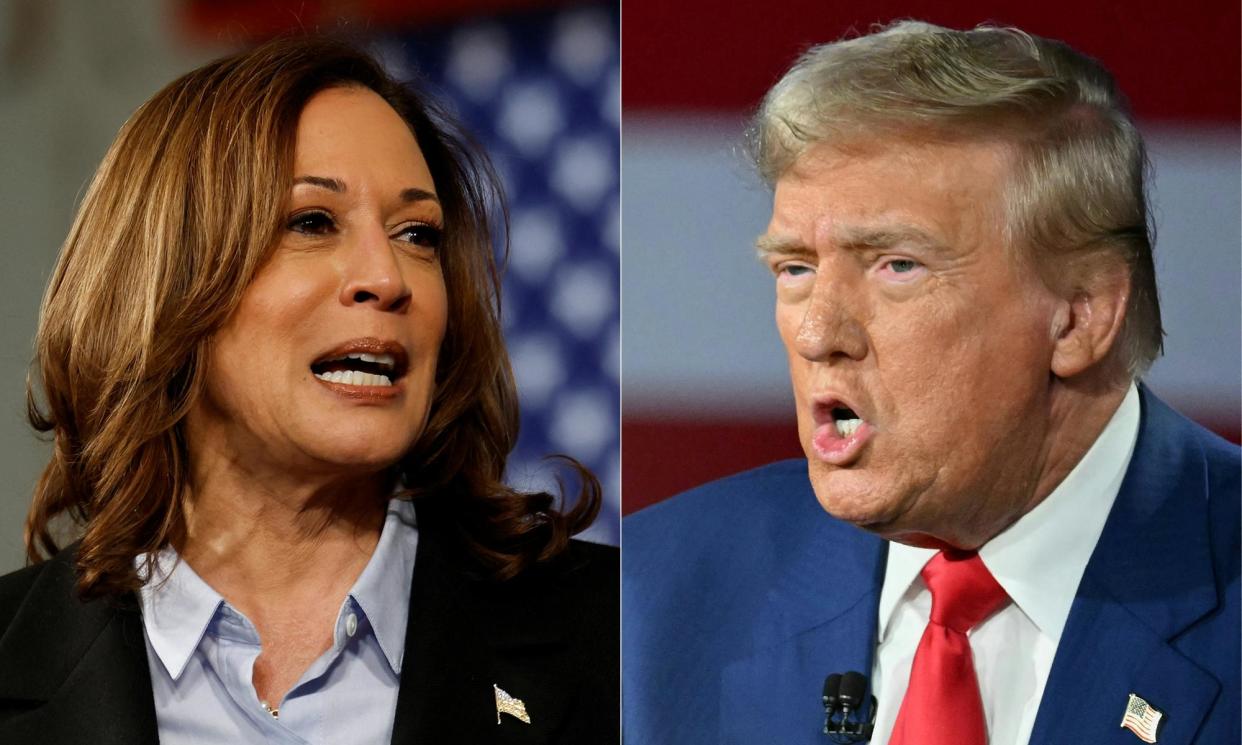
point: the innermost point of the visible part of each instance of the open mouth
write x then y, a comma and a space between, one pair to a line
837, 416
841, 433
845, 420
363, 362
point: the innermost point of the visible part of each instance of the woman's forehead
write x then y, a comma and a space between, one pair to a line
353, 135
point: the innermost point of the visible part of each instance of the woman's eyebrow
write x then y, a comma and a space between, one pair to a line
322, 182
415, 194
409, 195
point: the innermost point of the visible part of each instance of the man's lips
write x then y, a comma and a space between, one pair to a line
828, 406
841, 432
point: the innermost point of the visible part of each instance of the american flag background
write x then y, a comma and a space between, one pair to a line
541, 92
540, 89
536, 81
706, 380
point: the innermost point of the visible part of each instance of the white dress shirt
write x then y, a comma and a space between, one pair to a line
1039, 561
201, 650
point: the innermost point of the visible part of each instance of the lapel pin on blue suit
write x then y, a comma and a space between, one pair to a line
1142, 718
513, 706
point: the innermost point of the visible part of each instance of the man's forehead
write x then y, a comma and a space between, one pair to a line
885, 194
929, 164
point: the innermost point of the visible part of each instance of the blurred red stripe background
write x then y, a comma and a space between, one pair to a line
704, 61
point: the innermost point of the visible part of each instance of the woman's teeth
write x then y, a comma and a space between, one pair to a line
355, 377
847, 427
380, 359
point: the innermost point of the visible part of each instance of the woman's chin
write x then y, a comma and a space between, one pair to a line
354, 455
358, 438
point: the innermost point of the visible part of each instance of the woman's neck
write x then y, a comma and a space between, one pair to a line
277, 542
283, 548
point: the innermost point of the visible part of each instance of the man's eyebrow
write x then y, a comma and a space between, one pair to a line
767, 245
409, 196
853, 239
862, 238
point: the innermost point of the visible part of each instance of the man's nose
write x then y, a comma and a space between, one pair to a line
831, 327
373, 273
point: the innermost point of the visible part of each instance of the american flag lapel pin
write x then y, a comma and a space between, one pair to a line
1142, 718
513, 706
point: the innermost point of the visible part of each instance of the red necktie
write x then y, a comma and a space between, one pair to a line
942, 704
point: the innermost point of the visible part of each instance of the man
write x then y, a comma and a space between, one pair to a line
965, 287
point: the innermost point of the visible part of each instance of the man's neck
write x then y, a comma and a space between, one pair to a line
1079, 413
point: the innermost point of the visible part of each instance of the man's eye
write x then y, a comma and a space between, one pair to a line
312, 223
903, 266
420, 234
794, 270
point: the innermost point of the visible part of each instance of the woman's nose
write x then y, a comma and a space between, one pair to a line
373, 273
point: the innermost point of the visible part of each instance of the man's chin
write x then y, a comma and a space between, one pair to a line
856, 497
880, 509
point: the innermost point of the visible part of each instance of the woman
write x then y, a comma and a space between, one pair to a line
274, 376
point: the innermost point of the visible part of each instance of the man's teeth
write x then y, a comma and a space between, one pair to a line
846, 427
355, 377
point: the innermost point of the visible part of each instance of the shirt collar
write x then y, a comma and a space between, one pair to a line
178, 605
382, 591
1040, 559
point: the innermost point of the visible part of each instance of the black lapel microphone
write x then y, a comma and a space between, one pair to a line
843, 699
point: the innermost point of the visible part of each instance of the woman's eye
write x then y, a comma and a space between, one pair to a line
312, 223
420, 234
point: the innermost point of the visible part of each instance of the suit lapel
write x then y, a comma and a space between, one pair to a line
77, 671
466, 635
819, 618
1149, 578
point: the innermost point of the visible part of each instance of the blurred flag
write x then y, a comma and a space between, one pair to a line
541, 92
706, 379
538, 84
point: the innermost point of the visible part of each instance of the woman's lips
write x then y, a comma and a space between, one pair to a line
364, 392
838, 450
363, 369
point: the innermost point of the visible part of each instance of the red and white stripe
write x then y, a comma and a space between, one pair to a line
704, 392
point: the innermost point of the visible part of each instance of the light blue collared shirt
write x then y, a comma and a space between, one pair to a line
201, 652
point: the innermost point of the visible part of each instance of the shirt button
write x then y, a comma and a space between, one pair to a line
351, 624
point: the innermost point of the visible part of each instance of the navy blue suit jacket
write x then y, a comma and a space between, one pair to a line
741, 595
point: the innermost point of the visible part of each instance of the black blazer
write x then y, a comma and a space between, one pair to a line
74, 672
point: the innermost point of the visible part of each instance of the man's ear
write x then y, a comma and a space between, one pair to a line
1088, 322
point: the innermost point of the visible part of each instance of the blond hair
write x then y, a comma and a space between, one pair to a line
1076, 189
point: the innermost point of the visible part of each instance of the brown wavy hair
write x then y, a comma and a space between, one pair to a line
184, 209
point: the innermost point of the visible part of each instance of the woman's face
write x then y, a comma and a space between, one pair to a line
328, 364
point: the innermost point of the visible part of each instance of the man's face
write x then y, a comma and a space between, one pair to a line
902, 308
